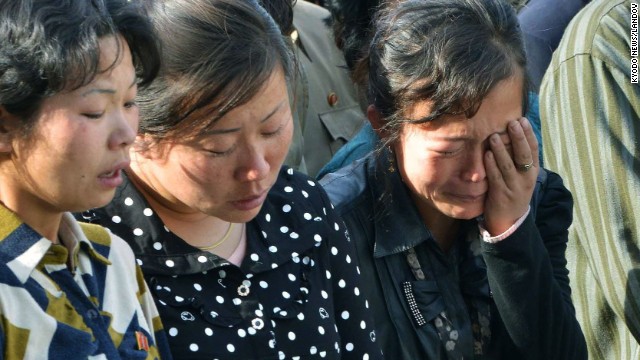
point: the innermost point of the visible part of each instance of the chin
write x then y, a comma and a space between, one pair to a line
247, 216
94, 202
237, 216
465, 213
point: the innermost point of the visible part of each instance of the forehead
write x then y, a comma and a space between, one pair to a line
270, 96
501, 105
205, 121
115, 65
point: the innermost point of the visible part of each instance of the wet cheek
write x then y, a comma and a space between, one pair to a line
204, 173
192, 167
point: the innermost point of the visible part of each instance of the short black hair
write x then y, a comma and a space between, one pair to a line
282, 13
352, 22
49, 46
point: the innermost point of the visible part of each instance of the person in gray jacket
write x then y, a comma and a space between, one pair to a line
326, 110
326, 102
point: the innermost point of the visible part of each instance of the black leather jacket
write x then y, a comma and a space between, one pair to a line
522, 279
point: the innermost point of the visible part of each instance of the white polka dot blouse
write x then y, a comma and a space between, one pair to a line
295, 296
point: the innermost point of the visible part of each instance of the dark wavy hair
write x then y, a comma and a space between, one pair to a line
352, 23
49, 46
217, 54
451, 52
282, 13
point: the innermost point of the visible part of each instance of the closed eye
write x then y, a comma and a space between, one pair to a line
447, 152
273, 133
93, 116
130, 104
216, 153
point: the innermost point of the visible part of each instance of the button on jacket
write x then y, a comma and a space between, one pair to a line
327, 111
296, 293
517, 289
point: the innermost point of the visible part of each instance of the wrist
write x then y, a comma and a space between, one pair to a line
495, 234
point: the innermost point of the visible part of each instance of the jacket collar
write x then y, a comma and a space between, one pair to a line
22, 249
398, 226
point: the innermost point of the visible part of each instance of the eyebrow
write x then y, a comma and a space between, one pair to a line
226, 131
463, 138
106, 91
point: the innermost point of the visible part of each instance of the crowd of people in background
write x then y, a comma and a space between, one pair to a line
335, 179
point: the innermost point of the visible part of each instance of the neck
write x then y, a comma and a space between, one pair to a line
33, 211
161, 201
444, 234
443, 228
196, 228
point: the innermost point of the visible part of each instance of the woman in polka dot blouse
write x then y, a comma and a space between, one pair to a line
246, 259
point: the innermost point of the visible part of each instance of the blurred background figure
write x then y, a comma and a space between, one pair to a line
325, 107
543, 22
324, 91
591, 112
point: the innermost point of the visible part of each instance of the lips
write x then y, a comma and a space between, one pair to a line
112, 178
469, 197
109, 174
250, 202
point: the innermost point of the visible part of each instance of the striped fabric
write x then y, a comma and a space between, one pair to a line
102, 310
591, 116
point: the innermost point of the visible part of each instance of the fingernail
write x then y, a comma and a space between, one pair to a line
524, 122
495, 139
489, 155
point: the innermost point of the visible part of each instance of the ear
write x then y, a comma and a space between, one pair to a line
9, 127
376, 120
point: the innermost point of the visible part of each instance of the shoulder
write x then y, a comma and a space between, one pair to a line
552, 202
315, 35
107, 244
550, 184
296, 206
594, 32
348, 183
292, 184
305, 12
295, 193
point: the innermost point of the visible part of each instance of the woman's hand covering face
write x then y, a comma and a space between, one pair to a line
510, 183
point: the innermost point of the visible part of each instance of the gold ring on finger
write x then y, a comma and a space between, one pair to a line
524, 167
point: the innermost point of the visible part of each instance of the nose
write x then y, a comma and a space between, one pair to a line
124, 131
474, 170
253, 164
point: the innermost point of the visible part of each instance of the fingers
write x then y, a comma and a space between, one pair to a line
510, 183
522, 152
501, 155
494, 174
522, 156
531, 139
